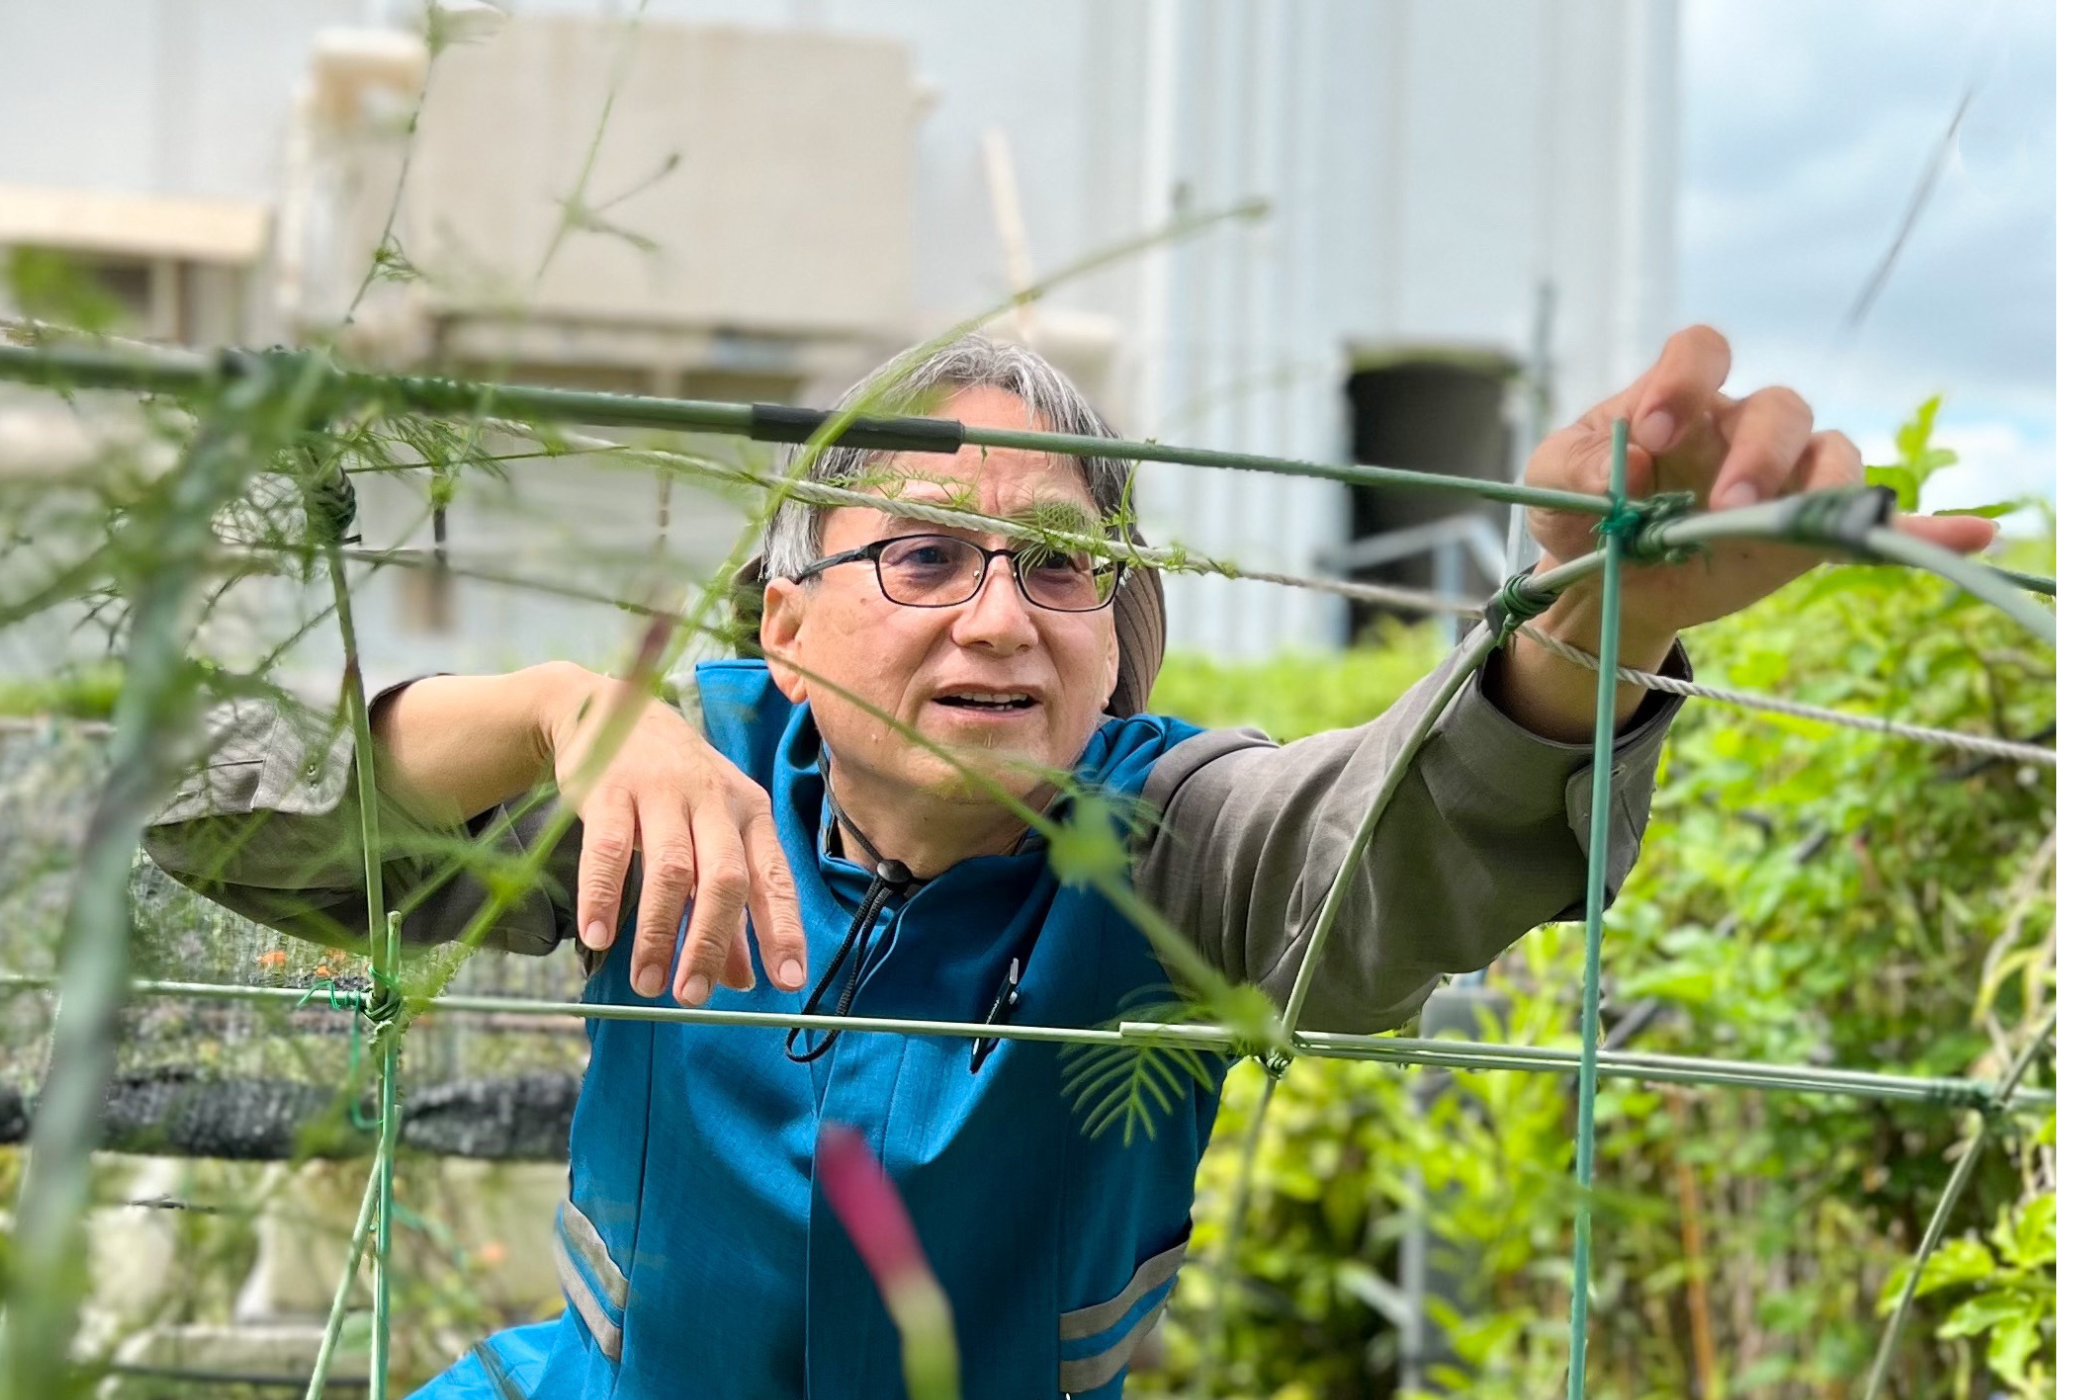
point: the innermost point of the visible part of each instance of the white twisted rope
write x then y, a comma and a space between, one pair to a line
1648, 680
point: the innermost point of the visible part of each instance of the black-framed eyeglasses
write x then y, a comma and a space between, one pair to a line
943, 571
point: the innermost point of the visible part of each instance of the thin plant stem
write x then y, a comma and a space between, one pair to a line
1943, 1212
1469, 662
154, 706
1225, 1269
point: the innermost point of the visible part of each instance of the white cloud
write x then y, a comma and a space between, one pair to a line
1806, 128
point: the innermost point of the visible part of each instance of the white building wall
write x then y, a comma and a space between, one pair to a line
1428, 166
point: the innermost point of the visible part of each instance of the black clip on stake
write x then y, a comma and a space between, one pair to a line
1002, 1010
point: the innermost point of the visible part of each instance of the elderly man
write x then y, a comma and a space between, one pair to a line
805, 852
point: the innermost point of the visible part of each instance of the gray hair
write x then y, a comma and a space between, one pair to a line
794, 534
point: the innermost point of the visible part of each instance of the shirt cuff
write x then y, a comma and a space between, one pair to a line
1535, 775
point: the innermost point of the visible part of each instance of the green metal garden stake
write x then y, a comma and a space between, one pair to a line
1400, 1051
1593, 932
389, 1056
339, 1306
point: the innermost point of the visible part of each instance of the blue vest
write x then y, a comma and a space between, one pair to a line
696, 1258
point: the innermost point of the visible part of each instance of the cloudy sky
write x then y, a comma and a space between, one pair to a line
1807, 126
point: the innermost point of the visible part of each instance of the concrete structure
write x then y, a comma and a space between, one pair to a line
785, 189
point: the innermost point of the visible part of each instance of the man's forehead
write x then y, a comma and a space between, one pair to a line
1003, 478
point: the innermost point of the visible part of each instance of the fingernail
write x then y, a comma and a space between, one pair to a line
1741, 494
1656, 431
695, 990
596, 936
649, 982
790, 974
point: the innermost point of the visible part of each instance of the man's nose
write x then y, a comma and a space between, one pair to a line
998, 617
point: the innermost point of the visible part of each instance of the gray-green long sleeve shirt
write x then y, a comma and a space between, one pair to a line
1486, 838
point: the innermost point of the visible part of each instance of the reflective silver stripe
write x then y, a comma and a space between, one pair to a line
584, 1235
1102, 1317
602, 1328
1089, 1373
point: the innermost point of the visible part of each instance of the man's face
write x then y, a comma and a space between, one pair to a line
928, 669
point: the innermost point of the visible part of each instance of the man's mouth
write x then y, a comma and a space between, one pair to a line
988, 701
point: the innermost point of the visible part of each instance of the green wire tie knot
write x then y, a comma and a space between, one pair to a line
339, 998
383, 1005
381, 1008
1514, 604
1633, 524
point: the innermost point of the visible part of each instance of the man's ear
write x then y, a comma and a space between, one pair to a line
780, 634
1115, 666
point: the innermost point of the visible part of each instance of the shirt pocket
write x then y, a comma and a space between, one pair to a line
1095, 1343
593, 1284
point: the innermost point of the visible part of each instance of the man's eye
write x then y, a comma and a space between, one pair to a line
1056, 561
929, 555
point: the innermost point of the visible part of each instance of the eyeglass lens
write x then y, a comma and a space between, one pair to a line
931, 571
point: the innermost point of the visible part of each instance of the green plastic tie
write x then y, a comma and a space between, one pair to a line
1514, 604
339, 998
382, 1006
1633, 524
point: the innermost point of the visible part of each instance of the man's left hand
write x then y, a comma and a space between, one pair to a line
1686, 435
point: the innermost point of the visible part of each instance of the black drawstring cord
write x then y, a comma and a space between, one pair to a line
891, 878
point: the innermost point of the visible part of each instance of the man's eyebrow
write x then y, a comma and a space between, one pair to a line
912, 525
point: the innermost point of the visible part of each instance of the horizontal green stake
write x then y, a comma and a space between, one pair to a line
190, 372
423, 394
1399, 1050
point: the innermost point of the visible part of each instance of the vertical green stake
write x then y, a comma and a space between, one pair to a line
385, 940
339, 1307
1593, 916
383, 1167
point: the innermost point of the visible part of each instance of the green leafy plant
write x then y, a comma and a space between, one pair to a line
1918, 460
2004, 1293
1807, 894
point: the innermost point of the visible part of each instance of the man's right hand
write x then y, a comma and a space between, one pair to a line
704, 832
